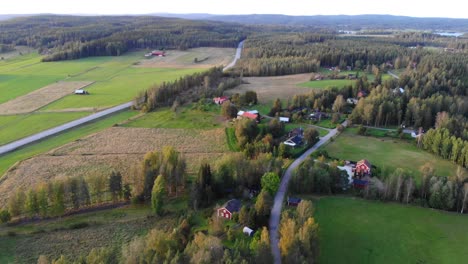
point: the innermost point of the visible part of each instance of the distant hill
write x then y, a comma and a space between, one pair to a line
344, 22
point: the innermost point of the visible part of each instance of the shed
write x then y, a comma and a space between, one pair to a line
284, 119
248, 231
81, 91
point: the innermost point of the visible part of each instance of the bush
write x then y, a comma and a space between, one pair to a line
5, 216
78, 225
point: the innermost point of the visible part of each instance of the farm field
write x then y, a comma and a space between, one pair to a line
207, 57
352, 230
7, 160
115, 148
386, 153
270, 88
14, 127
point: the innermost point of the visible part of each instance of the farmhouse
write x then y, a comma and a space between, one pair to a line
363, 168
81, 92
254, 115
220, 100
292, 201
229, 208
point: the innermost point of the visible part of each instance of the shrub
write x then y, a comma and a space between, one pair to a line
5, 216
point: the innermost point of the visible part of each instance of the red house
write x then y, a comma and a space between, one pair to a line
158, 53
363, 168
220, 100
229, 208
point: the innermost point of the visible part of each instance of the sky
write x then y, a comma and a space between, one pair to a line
416, 8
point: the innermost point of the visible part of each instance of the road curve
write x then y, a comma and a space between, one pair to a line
283, 188
53, 131
236, 57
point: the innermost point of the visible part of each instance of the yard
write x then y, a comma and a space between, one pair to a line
386, 153
360, 231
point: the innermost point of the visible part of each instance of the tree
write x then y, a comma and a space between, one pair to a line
115, 185
205, 249
202, 190
287, 235
58, 198
5, 216
251, 97
277, 107
263, 204
311, 136
228, 110
157, 194
465, 197
42, 200
270, 183
263, 252
275, 127
32, 204
339, 104
16, 203
305, 209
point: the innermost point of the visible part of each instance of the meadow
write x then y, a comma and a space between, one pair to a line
386, 153
353, 230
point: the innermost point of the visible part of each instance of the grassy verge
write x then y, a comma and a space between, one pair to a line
325, 84
6, 161
359, 231
327, 123
231, 139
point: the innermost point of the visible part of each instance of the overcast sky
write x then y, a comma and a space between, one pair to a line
417, 8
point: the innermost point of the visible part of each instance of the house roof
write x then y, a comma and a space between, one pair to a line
293, 141
294, 200
284, 119
365, 162
250, 115
240, 113
233, 205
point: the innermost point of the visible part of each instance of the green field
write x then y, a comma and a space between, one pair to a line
326, 84
386, 153
19, 126
116, 80
7, 160
359, 231
185, 117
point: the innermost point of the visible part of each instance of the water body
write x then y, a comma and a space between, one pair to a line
449, 34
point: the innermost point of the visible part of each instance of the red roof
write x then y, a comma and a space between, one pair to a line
250, 115
365, 162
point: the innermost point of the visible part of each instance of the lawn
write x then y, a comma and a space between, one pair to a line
185, 117
18, 126
7, 160
386, 152
359, 231
327, 123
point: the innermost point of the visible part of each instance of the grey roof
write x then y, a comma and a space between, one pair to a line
233, 205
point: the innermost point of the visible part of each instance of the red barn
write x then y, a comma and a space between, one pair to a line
363, 168
230, 207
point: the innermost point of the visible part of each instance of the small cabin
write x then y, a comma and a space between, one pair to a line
229, 208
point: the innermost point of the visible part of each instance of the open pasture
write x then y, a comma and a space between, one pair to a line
360, 231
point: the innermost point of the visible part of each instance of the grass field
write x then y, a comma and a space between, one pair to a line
18, 126
359, 231
386, 153
7, 160
185, 117
323, 84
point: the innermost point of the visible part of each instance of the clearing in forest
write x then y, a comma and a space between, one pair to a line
39, 98
115, 148
270, 88
205, 58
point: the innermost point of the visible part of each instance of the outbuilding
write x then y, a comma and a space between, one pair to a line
81, 92
248, 231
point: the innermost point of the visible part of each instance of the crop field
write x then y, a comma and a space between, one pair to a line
7, 160
39, 98
115, 148
352, 230
206, 57
270, 88
386, 153
14, 127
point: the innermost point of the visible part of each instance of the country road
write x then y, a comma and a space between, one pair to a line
53, 131
236, 57
47, 133
393, 75
279, 197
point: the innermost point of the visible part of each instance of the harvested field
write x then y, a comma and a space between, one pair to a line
115, 148
207, 57
270, 88
39, 98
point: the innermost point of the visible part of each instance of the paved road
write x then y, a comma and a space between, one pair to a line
47, 133
394, 75
279, 197
236, 57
